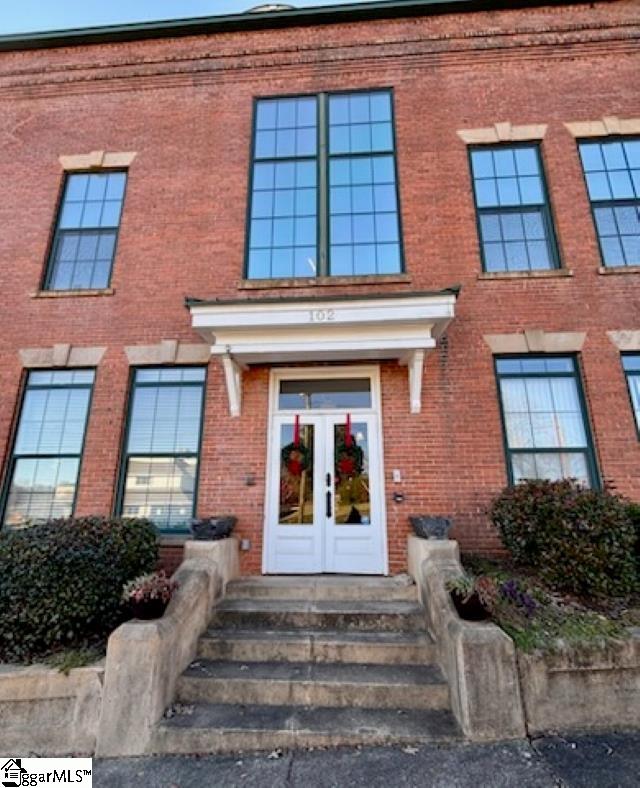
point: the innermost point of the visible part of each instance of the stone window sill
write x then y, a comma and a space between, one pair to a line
174, 540
323, 281
552, 273
106, 291
622, 269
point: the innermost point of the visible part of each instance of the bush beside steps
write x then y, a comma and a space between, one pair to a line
61, 582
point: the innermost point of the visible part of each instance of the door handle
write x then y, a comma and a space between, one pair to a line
328, 480
329, 503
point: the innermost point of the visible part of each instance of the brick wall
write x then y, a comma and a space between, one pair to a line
185, 107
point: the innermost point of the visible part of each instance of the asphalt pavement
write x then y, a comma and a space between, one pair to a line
579, 761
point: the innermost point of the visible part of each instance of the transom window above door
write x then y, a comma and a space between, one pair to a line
325, 394
324, 198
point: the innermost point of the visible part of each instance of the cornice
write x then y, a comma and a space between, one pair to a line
442, 50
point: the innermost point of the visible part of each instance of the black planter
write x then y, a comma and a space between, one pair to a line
148, 609
470, 609
427, 527
211, 529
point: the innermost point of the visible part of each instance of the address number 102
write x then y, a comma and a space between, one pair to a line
321, 315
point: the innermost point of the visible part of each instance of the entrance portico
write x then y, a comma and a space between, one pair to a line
324, 508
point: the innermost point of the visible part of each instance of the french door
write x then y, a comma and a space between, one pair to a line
325, 502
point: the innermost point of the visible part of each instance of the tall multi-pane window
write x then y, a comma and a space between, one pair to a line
546, 430
43, 474
631, 366
512, 204
324, 197
160, 466
84, 243
612, 172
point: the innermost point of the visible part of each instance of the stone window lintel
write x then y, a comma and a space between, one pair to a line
536, 340
503, 132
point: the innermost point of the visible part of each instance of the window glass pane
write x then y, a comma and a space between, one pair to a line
591, 156
634, 390
164, 434
76, 189
364, 215
363, 202
161, 489
82, 254
631, 363
283, 227
542, 413
482, 164
41, 489
509, 177
52, 423
611, 176
347, 393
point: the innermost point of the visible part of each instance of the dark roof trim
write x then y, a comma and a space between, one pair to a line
352, 12
189, 302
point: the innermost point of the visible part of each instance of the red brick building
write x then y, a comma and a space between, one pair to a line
398, 241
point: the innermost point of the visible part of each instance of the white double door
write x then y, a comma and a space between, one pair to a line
325, 505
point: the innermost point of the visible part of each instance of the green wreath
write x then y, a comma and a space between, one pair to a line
349, 460
296, 458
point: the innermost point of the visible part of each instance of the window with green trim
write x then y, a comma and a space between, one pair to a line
514, 217
631, 366
324, 197
44, 466
546, 429
84, 242
612, 172
162, 446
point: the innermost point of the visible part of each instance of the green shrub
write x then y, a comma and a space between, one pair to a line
61, 581
580, 541
634, 514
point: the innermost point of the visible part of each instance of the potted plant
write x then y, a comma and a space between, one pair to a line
213, 528
428, 527
470, 597
148, 595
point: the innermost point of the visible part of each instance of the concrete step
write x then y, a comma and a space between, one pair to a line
221, 728
314, 684
328, 614
304, 645
315, 589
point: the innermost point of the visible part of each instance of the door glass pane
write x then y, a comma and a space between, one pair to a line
351, 474
343, 393
296, 476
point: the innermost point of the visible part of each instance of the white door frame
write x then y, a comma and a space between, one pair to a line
306, 373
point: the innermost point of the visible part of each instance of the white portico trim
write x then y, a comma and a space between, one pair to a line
402, 326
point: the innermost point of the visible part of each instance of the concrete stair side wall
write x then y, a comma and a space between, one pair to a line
145, 659
478, 659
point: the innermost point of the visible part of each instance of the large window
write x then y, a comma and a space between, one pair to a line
631, 365
324, 195
43, 474
546, 430
612, 172
514, 218
160, 468
84, 243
